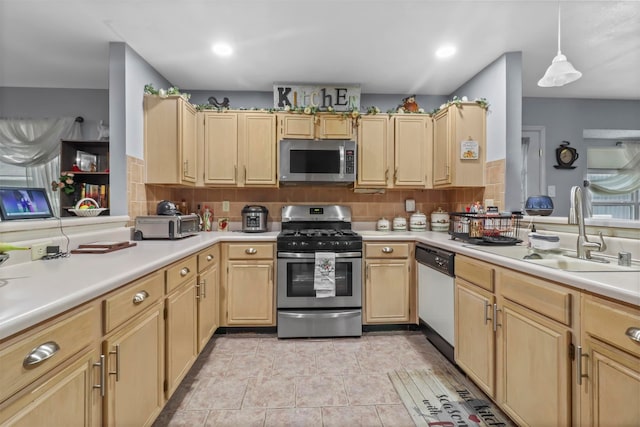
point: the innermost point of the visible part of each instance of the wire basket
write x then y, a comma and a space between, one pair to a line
93, 209
485, 229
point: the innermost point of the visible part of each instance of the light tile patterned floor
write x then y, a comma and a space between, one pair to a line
258, 380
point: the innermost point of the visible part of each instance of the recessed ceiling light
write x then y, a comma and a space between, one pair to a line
446, 51
222, 49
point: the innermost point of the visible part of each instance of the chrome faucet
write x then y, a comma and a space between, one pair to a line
576, 216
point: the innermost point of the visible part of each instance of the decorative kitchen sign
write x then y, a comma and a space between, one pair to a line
469, 150
338, 98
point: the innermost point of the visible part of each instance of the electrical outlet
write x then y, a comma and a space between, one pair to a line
225, 206
39, 250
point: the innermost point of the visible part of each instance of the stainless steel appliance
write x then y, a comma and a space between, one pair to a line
317, 161
166, 226
436, 296
306, 231
254, 219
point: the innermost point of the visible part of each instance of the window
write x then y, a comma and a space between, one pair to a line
621, 206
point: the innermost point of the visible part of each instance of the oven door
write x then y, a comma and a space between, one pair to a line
295, 281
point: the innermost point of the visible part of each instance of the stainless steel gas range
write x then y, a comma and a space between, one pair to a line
312, 238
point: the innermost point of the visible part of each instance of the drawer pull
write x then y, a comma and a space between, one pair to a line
184, 271
139, 297
579, 374
117, 353
251, 251
633, 333
387, 250
486, 312
103, 376
209, 257
40, 354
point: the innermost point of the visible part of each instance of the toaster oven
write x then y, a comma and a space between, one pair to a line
166, 226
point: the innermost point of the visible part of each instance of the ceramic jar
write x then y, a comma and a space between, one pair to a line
439, 220
382, 224
418, 222
399, 223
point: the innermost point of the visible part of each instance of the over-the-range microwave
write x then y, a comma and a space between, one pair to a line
330, 161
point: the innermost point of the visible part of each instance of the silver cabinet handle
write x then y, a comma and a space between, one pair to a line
633, 333
184, 271
387, 250
251, 251
40, 354
495, 317
579, 374
209, 257
117, 353
486, 312
198, 290
139, 297
103, 375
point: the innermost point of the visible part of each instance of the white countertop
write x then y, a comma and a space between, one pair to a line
35, 291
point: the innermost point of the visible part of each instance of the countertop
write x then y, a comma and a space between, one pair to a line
35, 291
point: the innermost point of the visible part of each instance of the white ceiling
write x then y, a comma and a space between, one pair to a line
385, 46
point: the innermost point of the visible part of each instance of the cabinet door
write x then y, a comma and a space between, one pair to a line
188, 142
441, 149
375, 151
250, 299
296, 126
334, 126
533, 365
182, 334
387, 291
257, 135
474, 336
221, 148
413, 151
66, 399
207, 305
135, 364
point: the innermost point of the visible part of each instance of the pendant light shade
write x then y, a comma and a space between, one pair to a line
560, 72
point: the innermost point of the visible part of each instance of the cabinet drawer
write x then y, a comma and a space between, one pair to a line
134, 299
208, 257
387, 250
609, 321
250, 251
538, 295
181, 271
476, 272
47, 348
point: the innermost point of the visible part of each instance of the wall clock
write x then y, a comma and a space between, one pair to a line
565, 156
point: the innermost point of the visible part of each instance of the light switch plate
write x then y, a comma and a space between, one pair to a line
551, 191
410, 205
225, 206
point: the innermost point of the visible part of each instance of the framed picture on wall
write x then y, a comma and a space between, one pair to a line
87, 162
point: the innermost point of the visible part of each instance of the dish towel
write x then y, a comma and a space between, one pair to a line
324, 275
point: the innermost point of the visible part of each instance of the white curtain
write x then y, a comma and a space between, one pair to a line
627, 178
35, 145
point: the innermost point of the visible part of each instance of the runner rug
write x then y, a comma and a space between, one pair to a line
437, 398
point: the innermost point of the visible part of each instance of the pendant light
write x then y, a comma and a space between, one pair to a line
560, 72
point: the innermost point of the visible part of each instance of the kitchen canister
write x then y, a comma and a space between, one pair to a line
382, 224
418, 222
439, 220
399, 223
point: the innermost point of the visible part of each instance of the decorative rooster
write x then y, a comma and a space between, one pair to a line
224, 104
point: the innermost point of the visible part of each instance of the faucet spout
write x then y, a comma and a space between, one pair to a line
576, 216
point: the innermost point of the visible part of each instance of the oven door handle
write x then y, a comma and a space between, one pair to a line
316, 315
309, 255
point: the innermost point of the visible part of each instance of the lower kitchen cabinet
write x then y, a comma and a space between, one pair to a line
207, 294
247, 295
608, 374
388, 292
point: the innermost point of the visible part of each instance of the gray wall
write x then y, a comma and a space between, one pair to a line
565, 119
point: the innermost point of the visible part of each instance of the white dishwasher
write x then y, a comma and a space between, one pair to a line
436, 296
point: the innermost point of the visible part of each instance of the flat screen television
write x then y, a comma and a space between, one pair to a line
24, 203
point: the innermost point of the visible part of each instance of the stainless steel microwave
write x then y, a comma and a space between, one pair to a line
330, 161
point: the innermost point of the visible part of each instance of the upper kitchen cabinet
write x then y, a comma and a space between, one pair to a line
170, 140
240, 149
413, 150
375, 151
459, 148
318, 126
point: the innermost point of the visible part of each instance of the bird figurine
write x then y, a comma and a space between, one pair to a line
224, 104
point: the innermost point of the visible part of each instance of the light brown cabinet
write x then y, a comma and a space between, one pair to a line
608, 372
413, 151
207, 294
170, 135
247, 296
375, 152
453, 126
314, 126
389, 291
334, 126
220, 148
